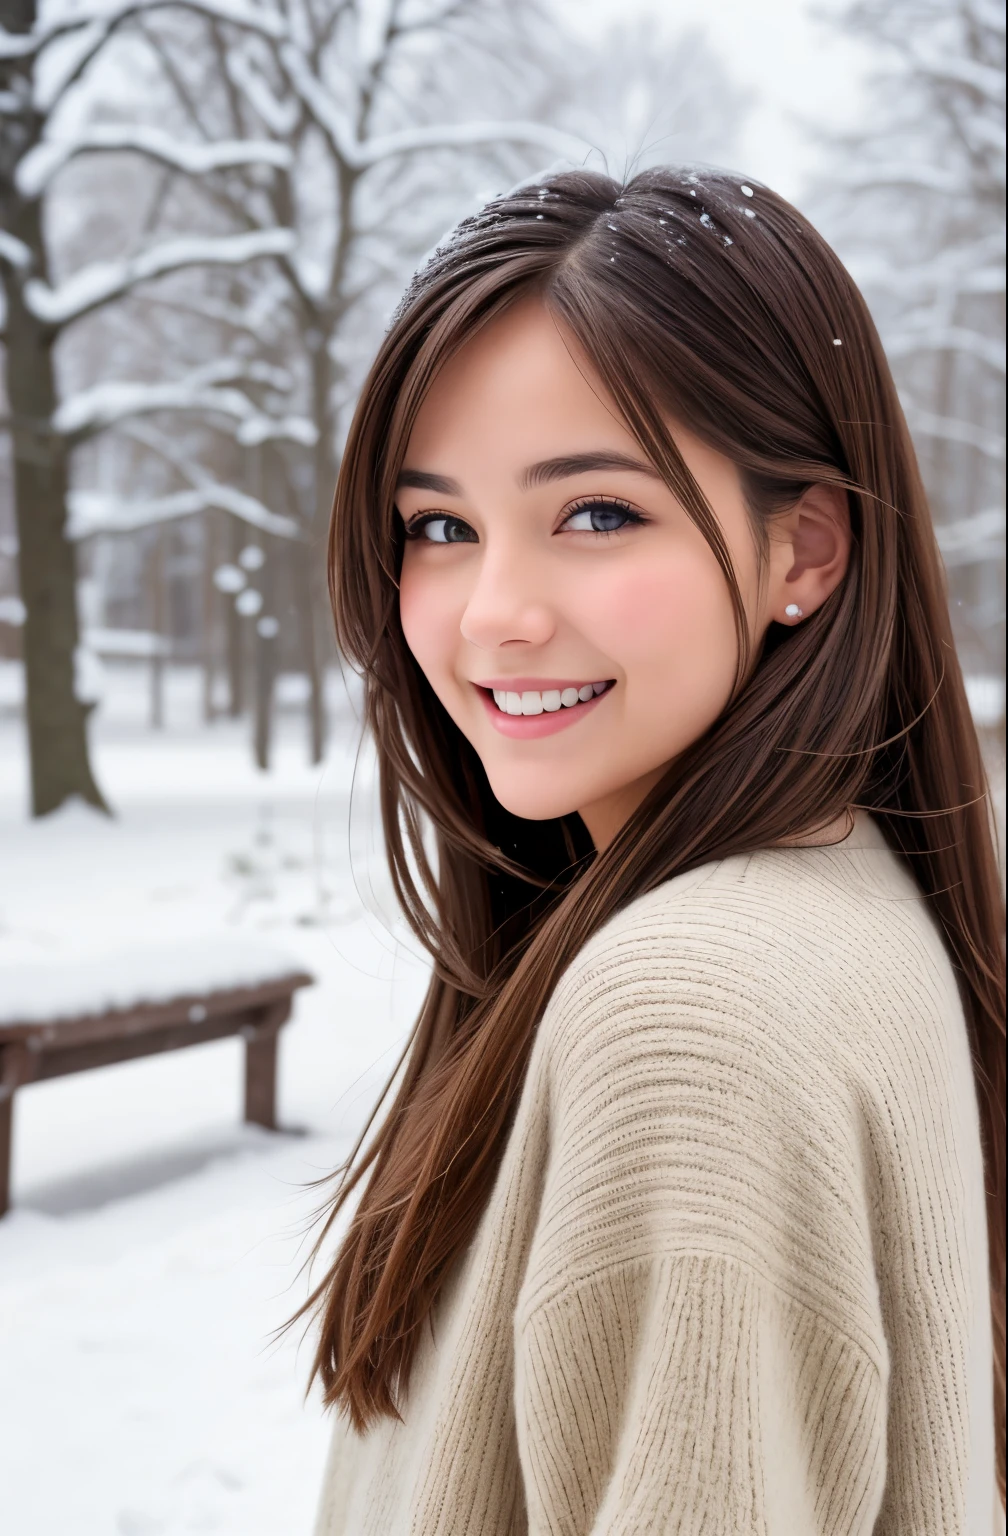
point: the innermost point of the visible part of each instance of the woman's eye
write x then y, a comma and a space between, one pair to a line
600, 517
439, 528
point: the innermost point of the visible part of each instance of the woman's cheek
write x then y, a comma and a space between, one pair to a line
423, 620
645, 608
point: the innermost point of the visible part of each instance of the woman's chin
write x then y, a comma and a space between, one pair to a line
530, 803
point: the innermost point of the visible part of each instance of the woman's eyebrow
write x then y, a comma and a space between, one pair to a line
420, 480
582, 463
535, 474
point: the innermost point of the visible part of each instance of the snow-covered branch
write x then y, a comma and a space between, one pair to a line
95, 285
94, 512
953, 271
951, 429
980, 536
81, 33
107, 405
949, 69
896, 175
280, 117
948, 338
106, 14
40, 165
277, 429
358, 155
14, 252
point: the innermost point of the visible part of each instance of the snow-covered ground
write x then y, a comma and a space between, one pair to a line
154, 1242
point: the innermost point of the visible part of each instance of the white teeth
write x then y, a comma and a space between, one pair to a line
532, 702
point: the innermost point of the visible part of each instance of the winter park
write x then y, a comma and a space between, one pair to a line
209, 210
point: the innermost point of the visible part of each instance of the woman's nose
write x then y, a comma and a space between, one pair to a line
507, 604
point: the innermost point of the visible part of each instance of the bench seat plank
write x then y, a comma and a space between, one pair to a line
33, 1049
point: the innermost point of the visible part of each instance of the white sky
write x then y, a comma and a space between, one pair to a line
800, 71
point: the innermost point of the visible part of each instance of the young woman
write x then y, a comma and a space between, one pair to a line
687, 1213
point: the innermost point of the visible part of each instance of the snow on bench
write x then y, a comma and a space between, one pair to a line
68, 1016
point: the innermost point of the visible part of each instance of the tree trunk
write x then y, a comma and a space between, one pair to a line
265, 649
208, 606
233, 635
155, 568
303, 560
313, 600
56, 718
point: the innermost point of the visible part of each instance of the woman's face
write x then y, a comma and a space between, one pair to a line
570, 617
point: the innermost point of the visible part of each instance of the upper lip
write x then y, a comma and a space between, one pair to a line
536, 684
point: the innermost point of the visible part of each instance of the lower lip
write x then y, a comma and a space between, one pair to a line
530, 727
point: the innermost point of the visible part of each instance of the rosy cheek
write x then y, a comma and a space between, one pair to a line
428, 621
642, 608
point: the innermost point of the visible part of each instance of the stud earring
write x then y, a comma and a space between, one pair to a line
793, 611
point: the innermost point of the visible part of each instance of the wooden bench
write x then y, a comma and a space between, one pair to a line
33, 1049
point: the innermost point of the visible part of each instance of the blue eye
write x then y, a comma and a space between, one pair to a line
440, 528
601, 517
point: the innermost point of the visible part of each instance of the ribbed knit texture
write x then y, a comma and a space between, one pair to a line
732, 1276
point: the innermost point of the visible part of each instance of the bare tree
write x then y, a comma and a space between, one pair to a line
41, 66
917, 206
290, 117
356, 96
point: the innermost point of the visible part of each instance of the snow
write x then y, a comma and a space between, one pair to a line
228, 578
88, 683
14, 251
987, 694
248, 602
40, 164
251, 558
143, 973
947, 338
94, 285
107, 13
953, 429
978, 536
360, 154
108, 404
280, 117
11, 684
12, 611
138, 643
94, 512
155, 1242
103, 405
269, 429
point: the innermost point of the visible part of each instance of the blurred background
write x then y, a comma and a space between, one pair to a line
208, 211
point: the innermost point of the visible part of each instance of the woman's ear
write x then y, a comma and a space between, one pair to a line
816, 539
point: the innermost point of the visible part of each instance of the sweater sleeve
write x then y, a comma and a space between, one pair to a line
699, 1344
684, 1395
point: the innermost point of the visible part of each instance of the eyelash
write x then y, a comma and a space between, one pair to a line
614, 503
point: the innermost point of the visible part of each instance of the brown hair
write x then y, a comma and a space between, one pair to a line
717, 304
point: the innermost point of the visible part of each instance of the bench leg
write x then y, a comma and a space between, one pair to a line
6, 1119
260, 1078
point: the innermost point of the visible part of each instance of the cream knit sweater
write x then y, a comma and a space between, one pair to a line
732, 1276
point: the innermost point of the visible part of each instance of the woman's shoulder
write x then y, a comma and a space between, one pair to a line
766, 935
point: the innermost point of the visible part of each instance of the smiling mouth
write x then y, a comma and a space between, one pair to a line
532, 701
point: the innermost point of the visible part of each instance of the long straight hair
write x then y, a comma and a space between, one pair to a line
701, 300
